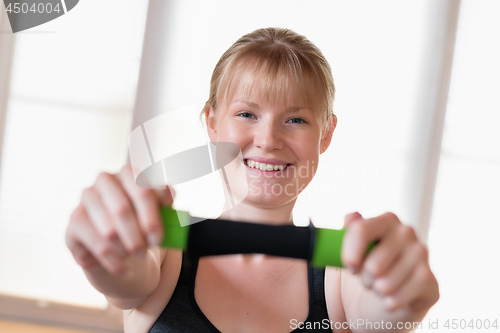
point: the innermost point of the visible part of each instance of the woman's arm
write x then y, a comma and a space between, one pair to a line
394, 283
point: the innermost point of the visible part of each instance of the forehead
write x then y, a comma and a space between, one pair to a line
255, 94
270, 83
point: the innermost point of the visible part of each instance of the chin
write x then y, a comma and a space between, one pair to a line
261, 196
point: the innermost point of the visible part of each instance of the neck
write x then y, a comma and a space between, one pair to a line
261, 214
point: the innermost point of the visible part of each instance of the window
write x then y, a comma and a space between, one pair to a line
465, 221
69, 113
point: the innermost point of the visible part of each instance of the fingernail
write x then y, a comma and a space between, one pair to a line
139, 254
354, 215
351, 217
389, 302
367, 279
123, 272
354, 270
154, 239
377, 290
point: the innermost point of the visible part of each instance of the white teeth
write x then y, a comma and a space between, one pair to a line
265, 166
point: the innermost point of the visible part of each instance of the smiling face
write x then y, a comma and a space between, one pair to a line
280, 139
272, 93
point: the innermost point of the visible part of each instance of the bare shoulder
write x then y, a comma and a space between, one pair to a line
333, 296
145, 315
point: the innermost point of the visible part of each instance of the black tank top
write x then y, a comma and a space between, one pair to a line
182, 314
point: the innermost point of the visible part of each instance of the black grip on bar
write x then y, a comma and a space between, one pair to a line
217, 237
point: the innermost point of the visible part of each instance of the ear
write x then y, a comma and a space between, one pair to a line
210, 121
326, 136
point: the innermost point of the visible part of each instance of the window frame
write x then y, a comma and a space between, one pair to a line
7, 44
19, 309
431, 112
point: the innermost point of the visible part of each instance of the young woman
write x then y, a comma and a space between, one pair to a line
271, 94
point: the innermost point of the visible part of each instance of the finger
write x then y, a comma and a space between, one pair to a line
417, 289
102, 251
166, 196
146, 204
81, 255
360, 234
101, 219
384, 255
122, 213
400, 272
84, 239
350, 218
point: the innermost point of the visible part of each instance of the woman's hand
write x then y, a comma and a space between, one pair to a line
114, 220
397, 269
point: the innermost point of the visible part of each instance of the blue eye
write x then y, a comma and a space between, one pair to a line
297, 121
245, 115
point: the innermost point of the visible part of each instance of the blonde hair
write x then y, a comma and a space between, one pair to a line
282, 62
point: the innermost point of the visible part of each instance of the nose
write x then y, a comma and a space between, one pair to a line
269, 136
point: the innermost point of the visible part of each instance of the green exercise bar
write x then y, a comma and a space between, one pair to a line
322, 247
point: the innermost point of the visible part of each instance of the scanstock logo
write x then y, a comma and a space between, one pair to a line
26, 14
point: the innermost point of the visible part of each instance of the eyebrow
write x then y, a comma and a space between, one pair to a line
250, 104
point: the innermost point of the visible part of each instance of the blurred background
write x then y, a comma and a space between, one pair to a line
418, 118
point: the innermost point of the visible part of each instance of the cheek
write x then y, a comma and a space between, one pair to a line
308, 147
232, 132
309, 159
